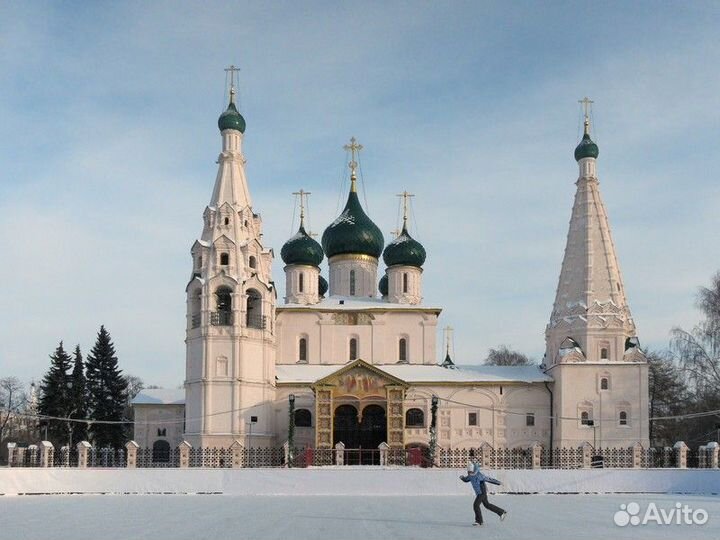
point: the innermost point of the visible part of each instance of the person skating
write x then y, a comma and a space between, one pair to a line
478, 480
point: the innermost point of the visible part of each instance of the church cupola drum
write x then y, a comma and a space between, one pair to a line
230, 334
302, 256
404, 258
353, 243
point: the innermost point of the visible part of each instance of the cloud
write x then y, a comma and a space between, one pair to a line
109, 122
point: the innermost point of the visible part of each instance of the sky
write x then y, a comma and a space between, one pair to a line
108, 143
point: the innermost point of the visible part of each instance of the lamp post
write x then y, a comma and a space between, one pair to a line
291, 428
433, 429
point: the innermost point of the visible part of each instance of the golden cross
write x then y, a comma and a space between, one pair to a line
232, 69
405, 195
586, 103
353, 148
303, 197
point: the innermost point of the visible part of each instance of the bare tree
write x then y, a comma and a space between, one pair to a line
12, 399
698, 350
504, 356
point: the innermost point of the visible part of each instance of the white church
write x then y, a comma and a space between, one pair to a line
357, 355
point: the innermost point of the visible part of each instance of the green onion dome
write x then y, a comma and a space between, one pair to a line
383, 285
404, 250
302, 249
322, 286
587, 148
231, 119
353, 232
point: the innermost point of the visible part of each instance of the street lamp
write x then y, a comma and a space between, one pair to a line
433, 429
291, 427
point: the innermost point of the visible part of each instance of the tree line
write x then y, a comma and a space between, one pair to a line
75, 389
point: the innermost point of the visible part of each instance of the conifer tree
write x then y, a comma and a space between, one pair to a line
106, 391
55, 398
79, 399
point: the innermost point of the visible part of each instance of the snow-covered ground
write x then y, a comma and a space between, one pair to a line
194, 517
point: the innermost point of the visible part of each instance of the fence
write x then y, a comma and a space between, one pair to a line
236, 456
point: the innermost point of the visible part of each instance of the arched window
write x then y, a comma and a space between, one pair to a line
405, 282
604, 354
303, 418
223, 315
402, 350
252, 262
301, 282
196, 307
161, 452
227, 221
224, 259
352, 282
353, 349
623, 418
302, 350
414, 418
254, 315
585, 418
604, 384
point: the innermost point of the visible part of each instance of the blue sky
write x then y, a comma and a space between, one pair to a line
109, 142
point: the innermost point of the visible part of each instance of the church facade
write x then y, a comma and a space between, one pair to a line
355, 355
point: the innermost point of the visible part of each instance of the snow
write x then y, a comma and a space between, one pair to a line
419, 373
160, 396
332, 303
348, 481
577, 517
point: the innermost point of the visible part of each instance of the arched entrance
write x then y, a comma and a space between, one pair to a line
361, 439
373, 428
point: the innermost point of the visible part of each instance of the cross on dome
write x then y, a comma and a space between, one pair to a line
232, 70
354, 148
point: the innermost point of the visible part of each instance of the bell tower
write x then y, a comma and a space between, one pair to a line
230, 334
592, 352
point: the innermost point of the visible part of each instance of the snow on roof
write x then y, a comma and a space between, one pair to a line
160, 396
354, 303
415, 373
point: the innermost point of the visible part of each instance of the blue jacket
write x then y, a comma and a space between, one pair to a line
478, 479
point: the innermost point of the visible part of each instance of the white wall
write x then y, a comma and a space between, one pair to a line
353, 481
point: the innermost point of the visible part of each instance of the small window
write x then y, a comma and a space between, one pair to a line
585, 418
252, 263
162, 432
402, 350
623, 418
405, 282
301, 282
530, 419
604, 383
224, 259
414, 418
352, 282
353, 349
303, 418
604, 354
302, 350
245, 223
472, 419
227, 221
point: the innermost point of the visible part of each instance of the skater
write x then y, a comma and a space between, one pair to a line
478, 480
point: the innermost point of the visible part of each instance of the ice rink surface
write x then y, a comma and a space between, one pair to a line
200, 517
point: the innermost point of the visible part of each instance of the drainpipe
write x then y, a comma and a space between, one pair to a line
552, 418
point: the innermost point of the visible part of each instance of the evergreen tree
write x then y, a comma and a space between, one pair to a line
55, 397
107, 392
79, 399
